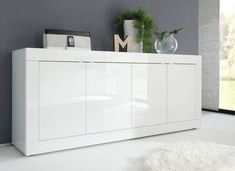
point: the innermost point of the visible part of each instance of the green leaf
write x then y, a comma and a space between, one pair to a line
175, 31
163, 35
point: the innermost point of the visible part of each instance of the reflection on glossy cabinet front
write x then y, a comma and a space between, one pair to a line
62, 111
108, 97
148, 94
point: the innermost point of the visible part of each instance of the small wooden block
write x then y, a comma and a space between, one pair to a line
118, 42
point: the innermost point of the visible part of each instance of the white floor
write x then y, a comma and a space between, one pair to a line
119, 156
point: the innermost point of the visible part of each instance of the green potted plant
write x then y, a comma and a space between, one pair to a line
139, 26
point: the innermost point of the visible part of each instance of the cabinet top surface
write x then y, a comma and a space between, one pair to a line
40, 54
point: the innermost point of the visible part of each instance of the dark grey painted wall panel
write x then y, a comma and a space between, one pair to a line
22, 24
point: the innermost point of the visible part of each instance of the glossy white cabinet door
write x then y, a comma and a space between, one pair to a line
62, 87
108, 97
181, 85
148, 94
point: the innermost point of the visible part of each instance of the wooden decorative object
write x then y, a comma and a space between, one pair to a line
123, 44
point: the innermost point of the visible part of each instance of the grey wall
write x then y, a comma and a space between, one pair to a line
22, 23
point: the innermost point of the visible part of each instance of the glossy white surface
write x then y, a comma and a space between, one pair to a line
148, 94
18, 104
64, 99
38, 54
108, 97
62, 106
181, 94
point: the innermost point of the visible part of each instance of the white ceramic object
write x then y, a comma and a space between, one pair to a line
64, 99
130, 30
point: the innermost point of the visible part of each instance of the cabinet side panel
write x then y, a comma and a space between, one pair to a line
31, 104
18, 100
199, 89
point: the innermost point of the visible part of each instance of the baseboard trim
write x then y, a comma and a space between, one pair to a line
5, 145
223, 111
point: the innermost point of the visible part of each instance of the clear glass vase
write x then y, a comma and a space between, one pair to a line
168, 45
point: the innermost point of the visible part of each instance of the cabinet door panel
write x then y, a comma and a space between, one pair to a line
181, 92
108, 97
148, 94
62, 87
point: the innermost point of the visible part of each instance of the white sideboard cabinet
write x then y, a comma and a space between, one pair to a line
63, 99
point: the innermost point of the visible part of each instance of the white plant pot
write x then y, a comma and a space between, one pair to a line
130, 30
